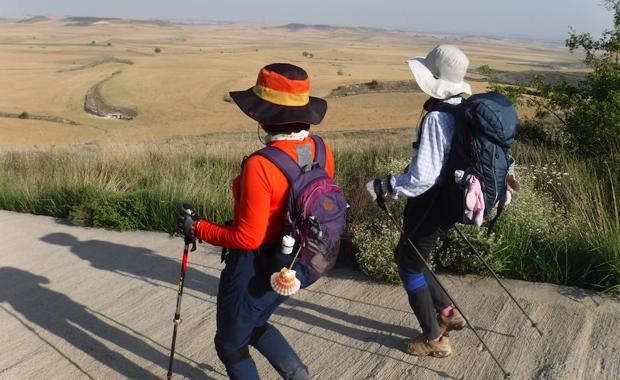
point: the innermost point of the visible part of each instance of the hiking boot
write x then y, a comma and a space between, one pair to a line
421, 346
453, 322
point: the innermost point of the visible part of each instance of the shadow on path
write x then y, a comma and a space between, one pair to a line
70, 321
145, 264
386, 334
136, 261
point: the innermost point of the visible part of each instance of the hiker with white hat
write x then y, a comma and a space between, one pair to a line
441, 76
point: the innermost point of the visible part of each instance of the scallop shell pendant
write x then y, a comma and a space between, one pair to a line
284, 282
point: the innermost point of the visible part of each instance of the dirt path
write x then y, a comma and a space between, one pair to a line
85, 303
96, 105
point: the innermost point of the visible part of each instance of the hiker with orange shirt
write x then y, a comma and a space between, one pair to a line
281, 104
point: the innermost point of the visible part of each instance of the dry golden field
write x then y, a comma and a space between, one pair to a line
179, 92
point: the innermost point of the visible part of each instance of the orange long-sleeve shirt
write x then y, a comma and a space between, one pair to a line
261, 194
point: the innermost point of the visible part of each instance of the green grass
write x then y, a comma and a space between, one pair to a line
123, 189
563, 226
563, 229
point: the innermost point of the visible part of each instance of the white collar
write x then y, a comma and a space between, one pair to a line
295, 136
454, 100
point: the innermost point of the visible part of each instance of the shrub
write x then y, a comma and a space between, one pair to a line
375, 241
487, 71
453, 253
546, 234
340, 71
373, 84
157, 50
588, 111
24, 115
123, 212
373, 236
527, 227
543, 131
531, 234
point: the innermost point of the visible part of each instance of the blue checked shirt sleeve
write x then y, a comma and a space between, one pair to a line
428, 160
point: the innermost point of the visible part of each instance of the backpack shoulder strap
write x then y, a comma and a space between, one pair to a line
283, 161
441, 107
320, 155
446, 107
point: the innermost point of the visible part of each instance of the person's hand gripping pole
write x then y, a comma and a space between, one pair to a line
186, 223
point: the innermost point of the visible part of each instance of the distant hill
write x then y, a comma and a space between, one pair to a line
152, 22
375, 86
294, 27
87, 21
34, 19
525, 77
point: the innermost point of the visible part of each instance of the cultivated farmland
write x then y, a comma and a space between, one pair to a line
48, 66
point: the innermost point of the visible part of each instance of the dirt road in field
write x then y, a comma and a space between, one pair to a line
78, 303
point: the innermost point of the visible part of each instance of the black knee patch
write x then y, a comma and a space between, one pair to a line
230, 357
258, 332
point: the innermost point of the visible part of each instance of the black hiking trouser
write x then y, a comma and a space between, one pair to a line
424, 218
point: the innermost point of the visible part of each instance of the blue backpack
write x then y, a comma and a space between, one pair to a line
316, 209
486, 125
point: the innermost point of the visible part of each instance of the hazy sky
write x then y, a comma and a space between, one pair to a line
547, 19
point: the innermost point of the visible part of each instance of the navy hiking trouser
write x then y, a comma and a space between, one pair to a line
424, 218
245, 301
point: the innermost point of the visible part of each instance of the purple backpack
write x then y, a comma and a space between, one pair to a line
316, 211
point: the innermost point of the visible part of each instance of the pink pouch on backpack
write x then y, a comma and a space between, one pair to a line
474, 200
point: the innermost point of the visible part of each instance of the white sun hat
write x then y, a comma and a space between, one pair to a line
441, 73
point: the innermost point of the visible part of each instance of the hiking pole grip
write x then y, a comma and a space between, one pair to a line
499, 281
177, 313
189, 217
385, 207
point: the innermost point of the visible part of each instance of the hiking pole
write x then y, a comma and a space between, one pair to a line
499, 281
384, 207
177, 313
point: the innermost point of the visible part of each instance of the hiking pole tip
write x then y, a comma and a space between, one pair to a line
499, 281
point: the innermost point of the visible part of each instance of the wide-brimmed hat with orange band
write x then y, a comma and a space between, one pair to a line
281, 96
